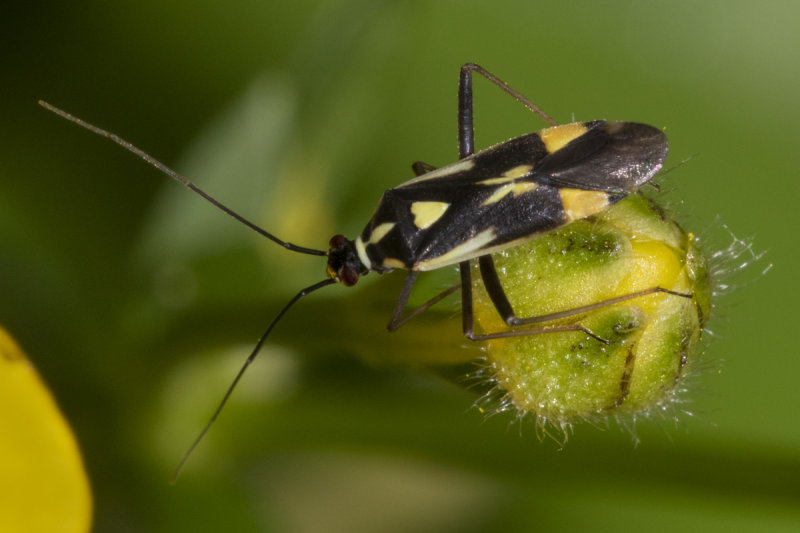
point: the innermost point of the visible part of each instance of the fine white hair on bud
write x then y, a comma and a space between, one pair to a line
652, 342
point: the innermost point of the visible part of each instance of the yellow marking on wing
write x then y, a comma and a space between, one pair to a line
498, 195
509, 175
518, 171
467, 250
580, 204
390, 262
426, 213
380, 232
525, 186
557, 137
497, 181
512, 188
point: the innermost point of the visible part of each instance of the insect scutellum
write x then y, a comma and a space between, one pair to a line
485, 202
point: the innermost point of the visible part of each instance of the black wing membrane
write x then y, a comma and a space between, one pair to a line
512, 217
509, 193
615, 157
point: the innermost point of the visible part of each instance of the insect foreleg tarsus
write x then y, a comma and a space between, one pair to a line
398, 320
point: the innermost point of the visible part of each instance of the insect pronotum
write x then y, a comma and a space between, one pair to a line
483, 203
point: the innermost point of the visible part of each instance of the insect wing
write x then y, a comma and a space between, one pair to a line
615, 157
441, 224
509, 193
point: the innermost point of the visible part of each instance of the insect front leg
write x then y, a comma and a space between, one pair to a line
398, 320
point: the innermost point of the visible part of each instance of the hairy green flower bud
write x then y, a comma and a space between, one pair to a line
652, 340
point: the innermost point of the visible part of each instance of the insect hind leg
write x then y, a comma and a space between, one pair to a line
466, 147
468, 318
466, 136
498, 296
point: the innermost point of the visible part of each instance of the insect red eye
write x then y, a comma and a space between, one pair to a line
337, 241
348, 276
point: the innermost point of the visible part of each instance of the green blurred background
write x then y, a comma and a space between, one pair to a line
138, 302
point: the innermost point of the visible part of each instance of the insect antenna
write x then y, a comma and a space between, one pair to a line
239, 375
219, 205
179, 178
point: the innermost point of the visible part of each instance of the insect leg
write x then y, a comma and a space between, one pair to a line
466, 147
466, 133
397, 321
467, 316
468, 319
466, 79
498, 296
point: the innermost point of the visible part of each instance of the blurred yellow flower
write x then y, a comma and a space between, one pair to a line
43, 485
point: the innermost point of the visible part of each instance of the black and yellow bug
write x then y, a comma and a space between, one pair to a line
483, 203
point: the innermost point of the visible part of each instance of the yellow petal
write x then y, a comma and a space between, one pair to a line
43, 485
